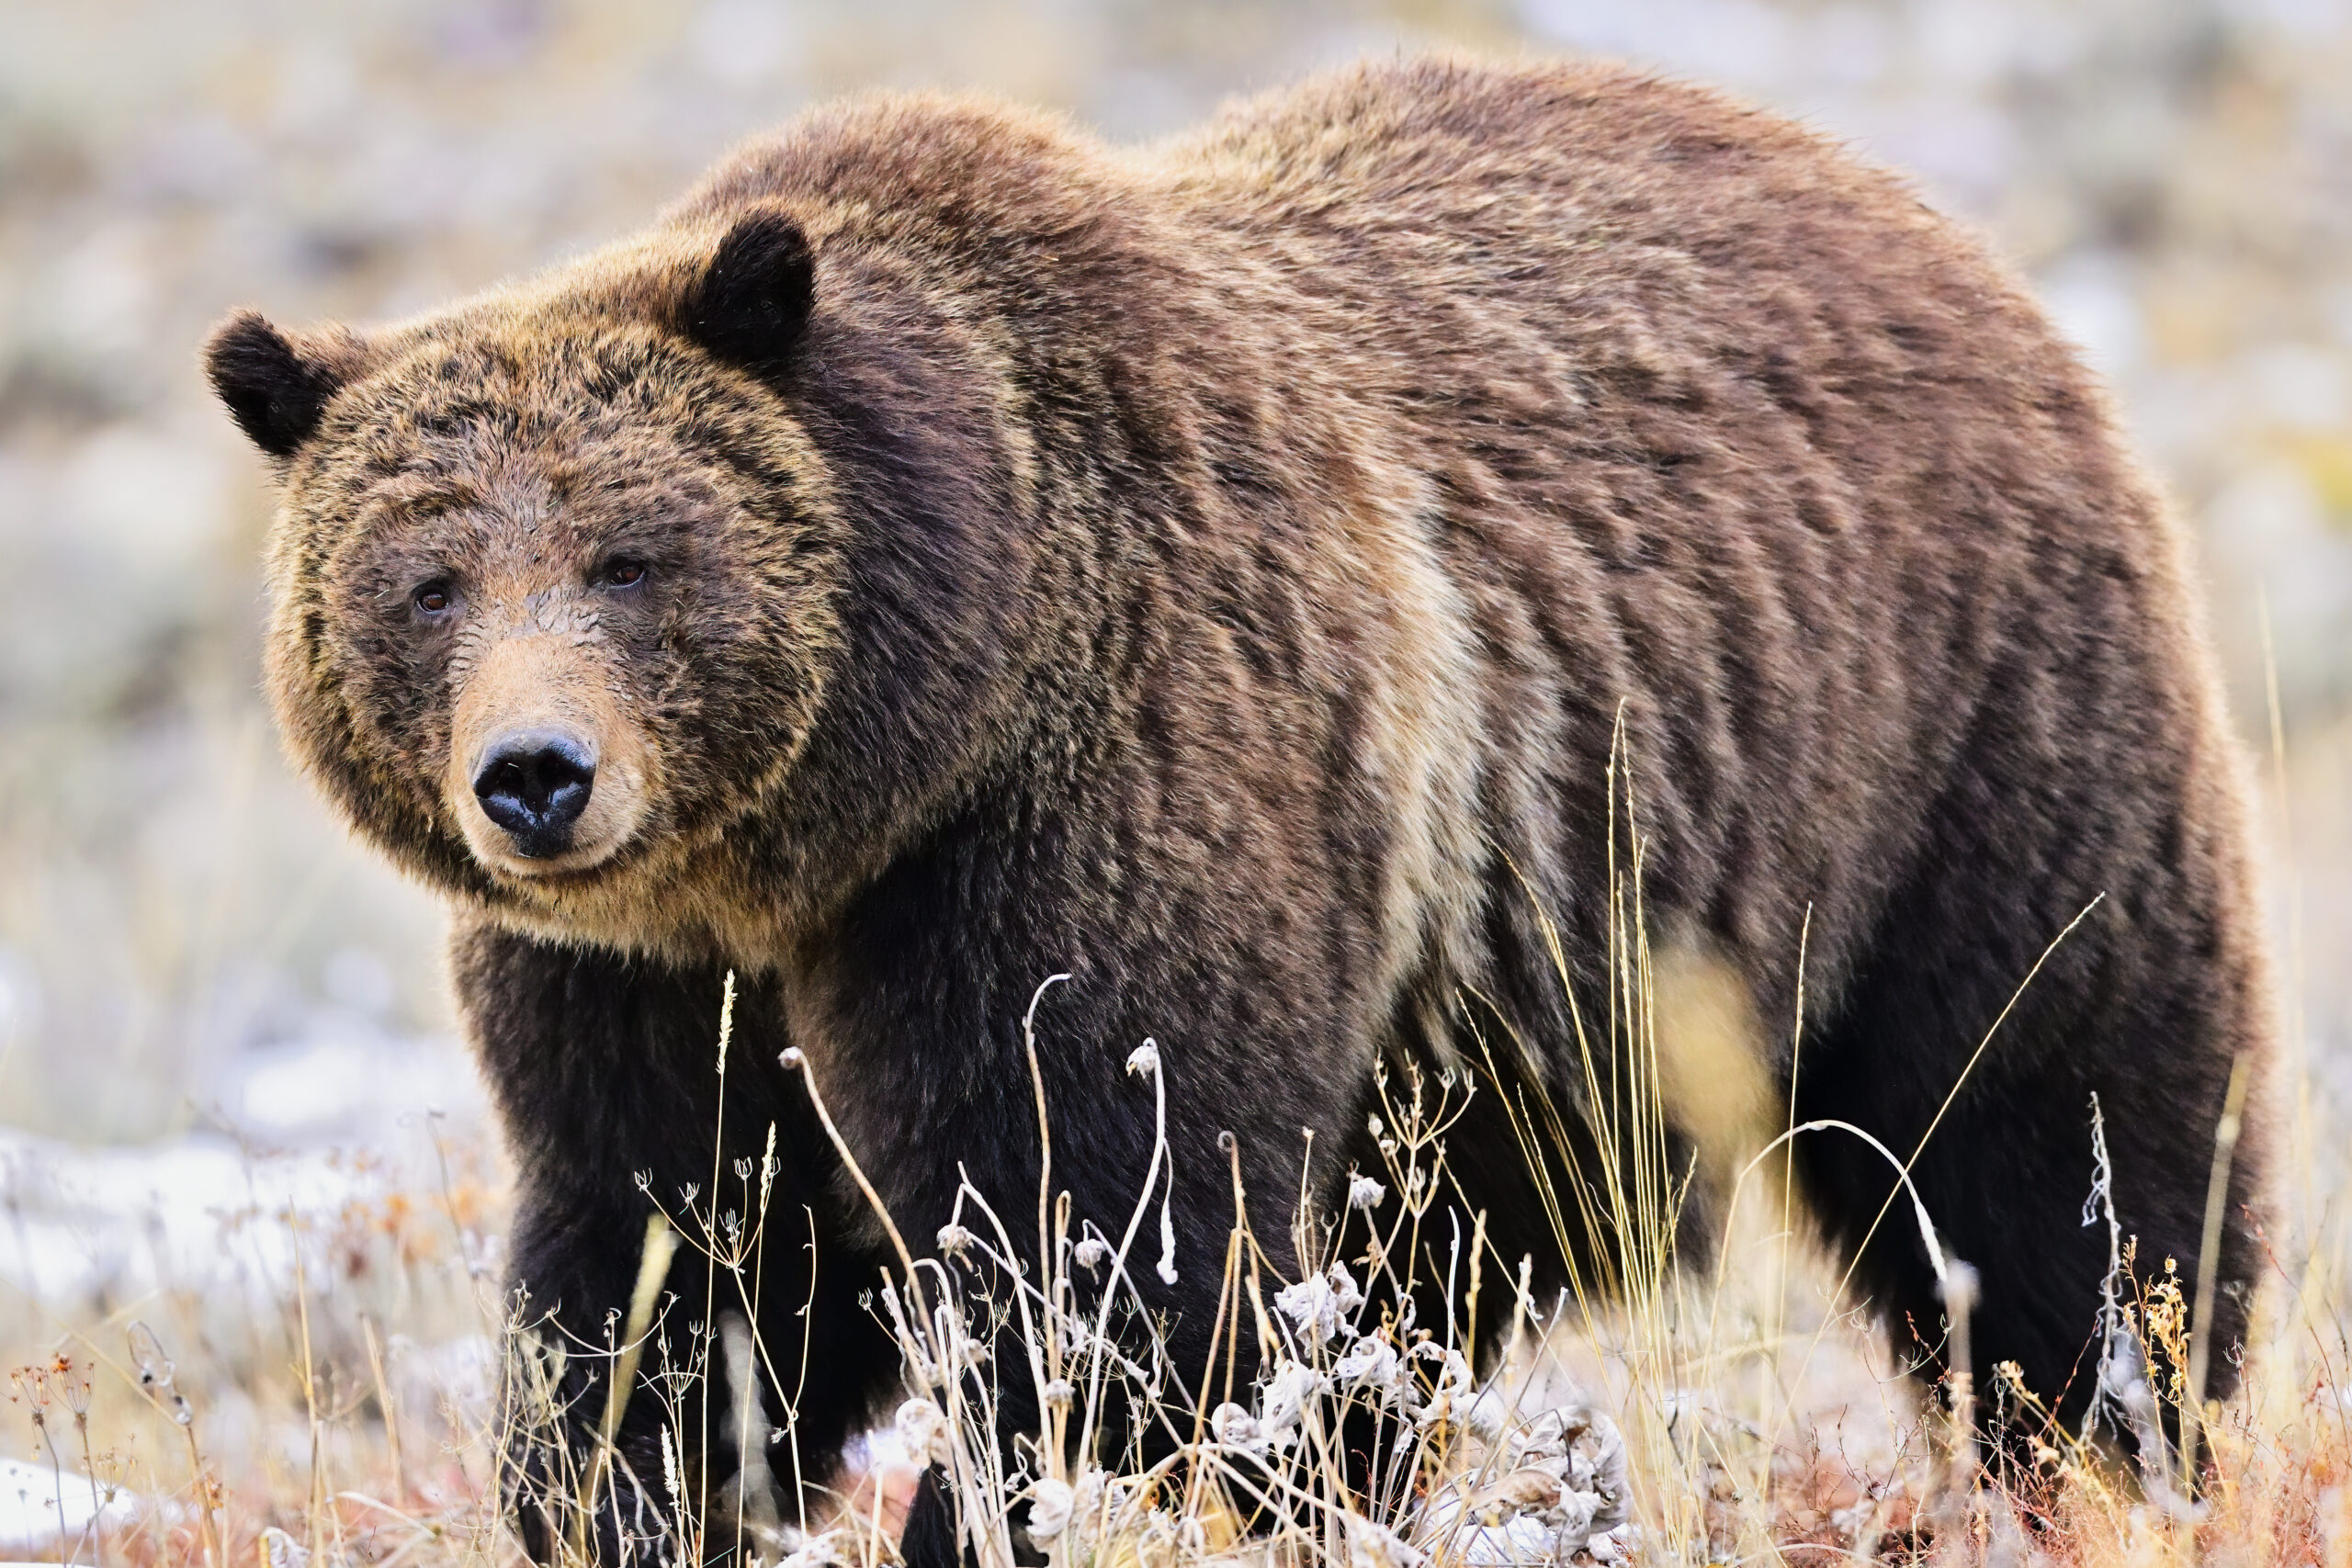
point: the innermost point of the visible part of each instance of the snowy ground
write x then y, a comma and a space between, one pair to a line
40, 1505
351, 1166
303, 1131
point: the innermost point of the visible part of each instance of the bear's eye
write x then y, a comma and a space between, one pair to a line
623, 573
431, 599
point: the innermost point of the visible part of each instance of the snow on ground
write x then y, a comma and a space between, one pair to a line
298, 1134
360, 1154
349, 1079
40, 1505
122, 1223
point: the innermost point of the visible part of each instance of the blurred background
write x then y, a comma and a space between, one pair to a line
191, 949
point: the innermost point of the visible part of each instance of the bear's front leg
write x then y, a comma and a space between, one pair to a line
606, 1075
1148, 1054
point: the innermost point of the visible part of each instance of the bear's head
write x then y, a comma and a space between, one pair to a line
561, 576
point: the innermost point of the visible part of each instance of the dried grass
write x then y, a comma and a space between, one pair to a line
1744, 1414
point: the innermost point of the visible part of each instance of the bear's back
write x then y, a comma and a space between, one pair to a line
1569, 224
1701, 411
1719, 419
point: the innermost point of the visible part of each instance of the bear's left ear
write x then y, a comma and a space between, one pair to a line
751, 306
276, 393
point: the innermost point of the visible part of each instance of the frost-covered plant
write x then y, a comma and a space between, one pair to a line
1340, 1356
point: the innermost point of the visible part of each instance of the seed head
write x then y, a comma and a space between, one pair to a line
1049, 1507
923, 1427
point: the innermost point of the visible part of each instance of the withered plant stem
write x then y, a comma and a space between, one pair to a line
2217, 1198
653, 1269
384, 1402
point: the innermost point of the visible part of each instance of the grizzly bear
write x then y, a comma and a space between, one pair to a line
1252, 575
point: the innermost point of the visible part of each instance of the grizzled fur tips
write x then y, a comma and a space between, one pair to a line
944, 551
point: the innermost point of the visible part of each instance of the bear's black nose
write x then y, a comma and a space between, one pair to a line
534, 784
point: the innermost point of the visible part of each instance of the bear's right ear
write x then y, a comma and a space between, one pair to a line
751, 306
274, 392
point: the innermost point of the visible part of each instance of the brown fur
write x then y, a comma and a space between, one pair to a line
1218, 570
